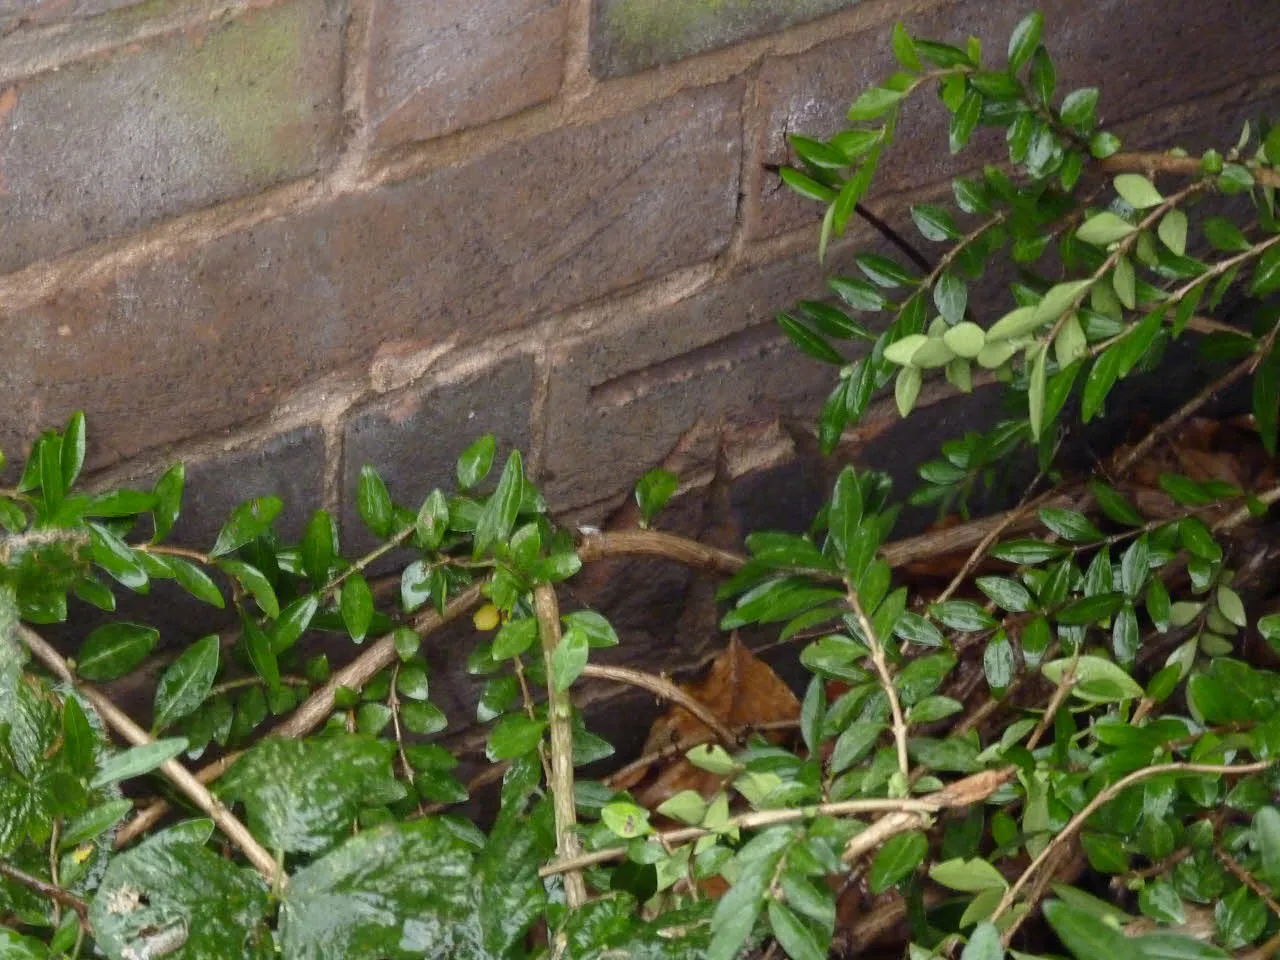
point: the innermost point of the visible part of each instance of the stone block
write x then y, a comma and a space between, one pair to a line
18, 13
628, 36
114, 142
414, 437
200, 340
452, 64
622, 395
1144, 55
289, 465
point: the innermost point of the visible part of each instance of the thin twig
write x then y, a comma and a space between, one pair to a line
1154, 163
664, 688
176, 773
886, 678
1055, 704
1006, 520
318, 706
50, 891
1248, 879
560, 717
1104, 796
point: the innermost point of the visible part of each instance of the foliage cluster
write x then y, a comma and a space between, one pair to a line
1126, 725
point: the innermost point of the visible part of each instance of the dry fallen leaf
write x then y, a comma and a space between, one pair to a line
741, 690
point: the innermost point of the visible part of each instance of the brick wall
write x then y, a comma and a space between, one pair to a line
282, 238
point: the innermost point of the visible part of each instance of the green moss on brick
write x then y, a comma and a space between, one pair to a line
633, 34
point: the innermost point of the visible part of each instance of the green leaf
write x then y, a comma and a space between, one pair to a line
903, 49
1024, 40
301, 796
569, 659
1070, 525
171, 895
186, 682
432, 521
1103, 229
247, 522
513, 736
1085, 934
319, 547
736, 913
906, 389
916, 629
598, 630
168, 494
1266, 275
1114, 505
626, 820
969, 876
1166, 945
984, 943
112, 650
965, 339
882, 271
1266, 833
356, 606
806, 186
1079, 109
846, 514
1096, 679
1007, 594
1266, 400
1159, 901
373, 501
92, 823
654, 491
293, 622
258, 646
1027, 551
964, 120
858, 294
793, 935
873, 102
498, 516
809, 342
256, 583
137, 761
1173, 231
962, 615
896, 860
1135, 566
476, 461
514, 638
116, 557
1198, 540
998, 664
81, 742
1102, 377
195, 581
1137, 191
934, 223
1231, 606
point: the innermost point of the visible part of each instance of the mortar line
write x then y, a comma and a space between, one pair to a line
357, 53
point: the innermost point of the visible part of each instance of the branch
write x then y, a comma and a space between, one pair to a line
971, 789
655, 543
1154, 163
49, 891
172, 770
560, 716
660, 686
1073, 826
886, 679
318, 706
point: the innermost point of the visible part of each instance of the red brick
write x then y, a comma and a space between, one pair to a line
114, 142
1142, 54
450, 64
197, 342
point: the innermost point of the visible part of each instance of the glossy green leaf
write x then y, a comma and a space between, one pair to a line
513, 736
248, 521
795, 937
373, 501
1103, 229
1024, 40
499, 514
808, 341
255, 582
475, 462
569, 659
196, 582
137, 761
168, 505
302, 795
114, 649
654, 491
356, 606
186, 682
897, 859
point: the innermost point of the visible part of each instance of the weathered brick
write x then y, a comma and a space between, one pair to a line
451, 64
1142, 54
16, 13
632, 35
289, 465
198, 341
414, 437
112, 143
621, 396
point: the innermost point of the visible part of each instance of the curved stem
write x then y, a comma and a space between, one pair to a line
660, 686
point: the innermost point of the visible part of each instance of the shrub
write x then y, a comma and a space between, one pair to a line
1084, 699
